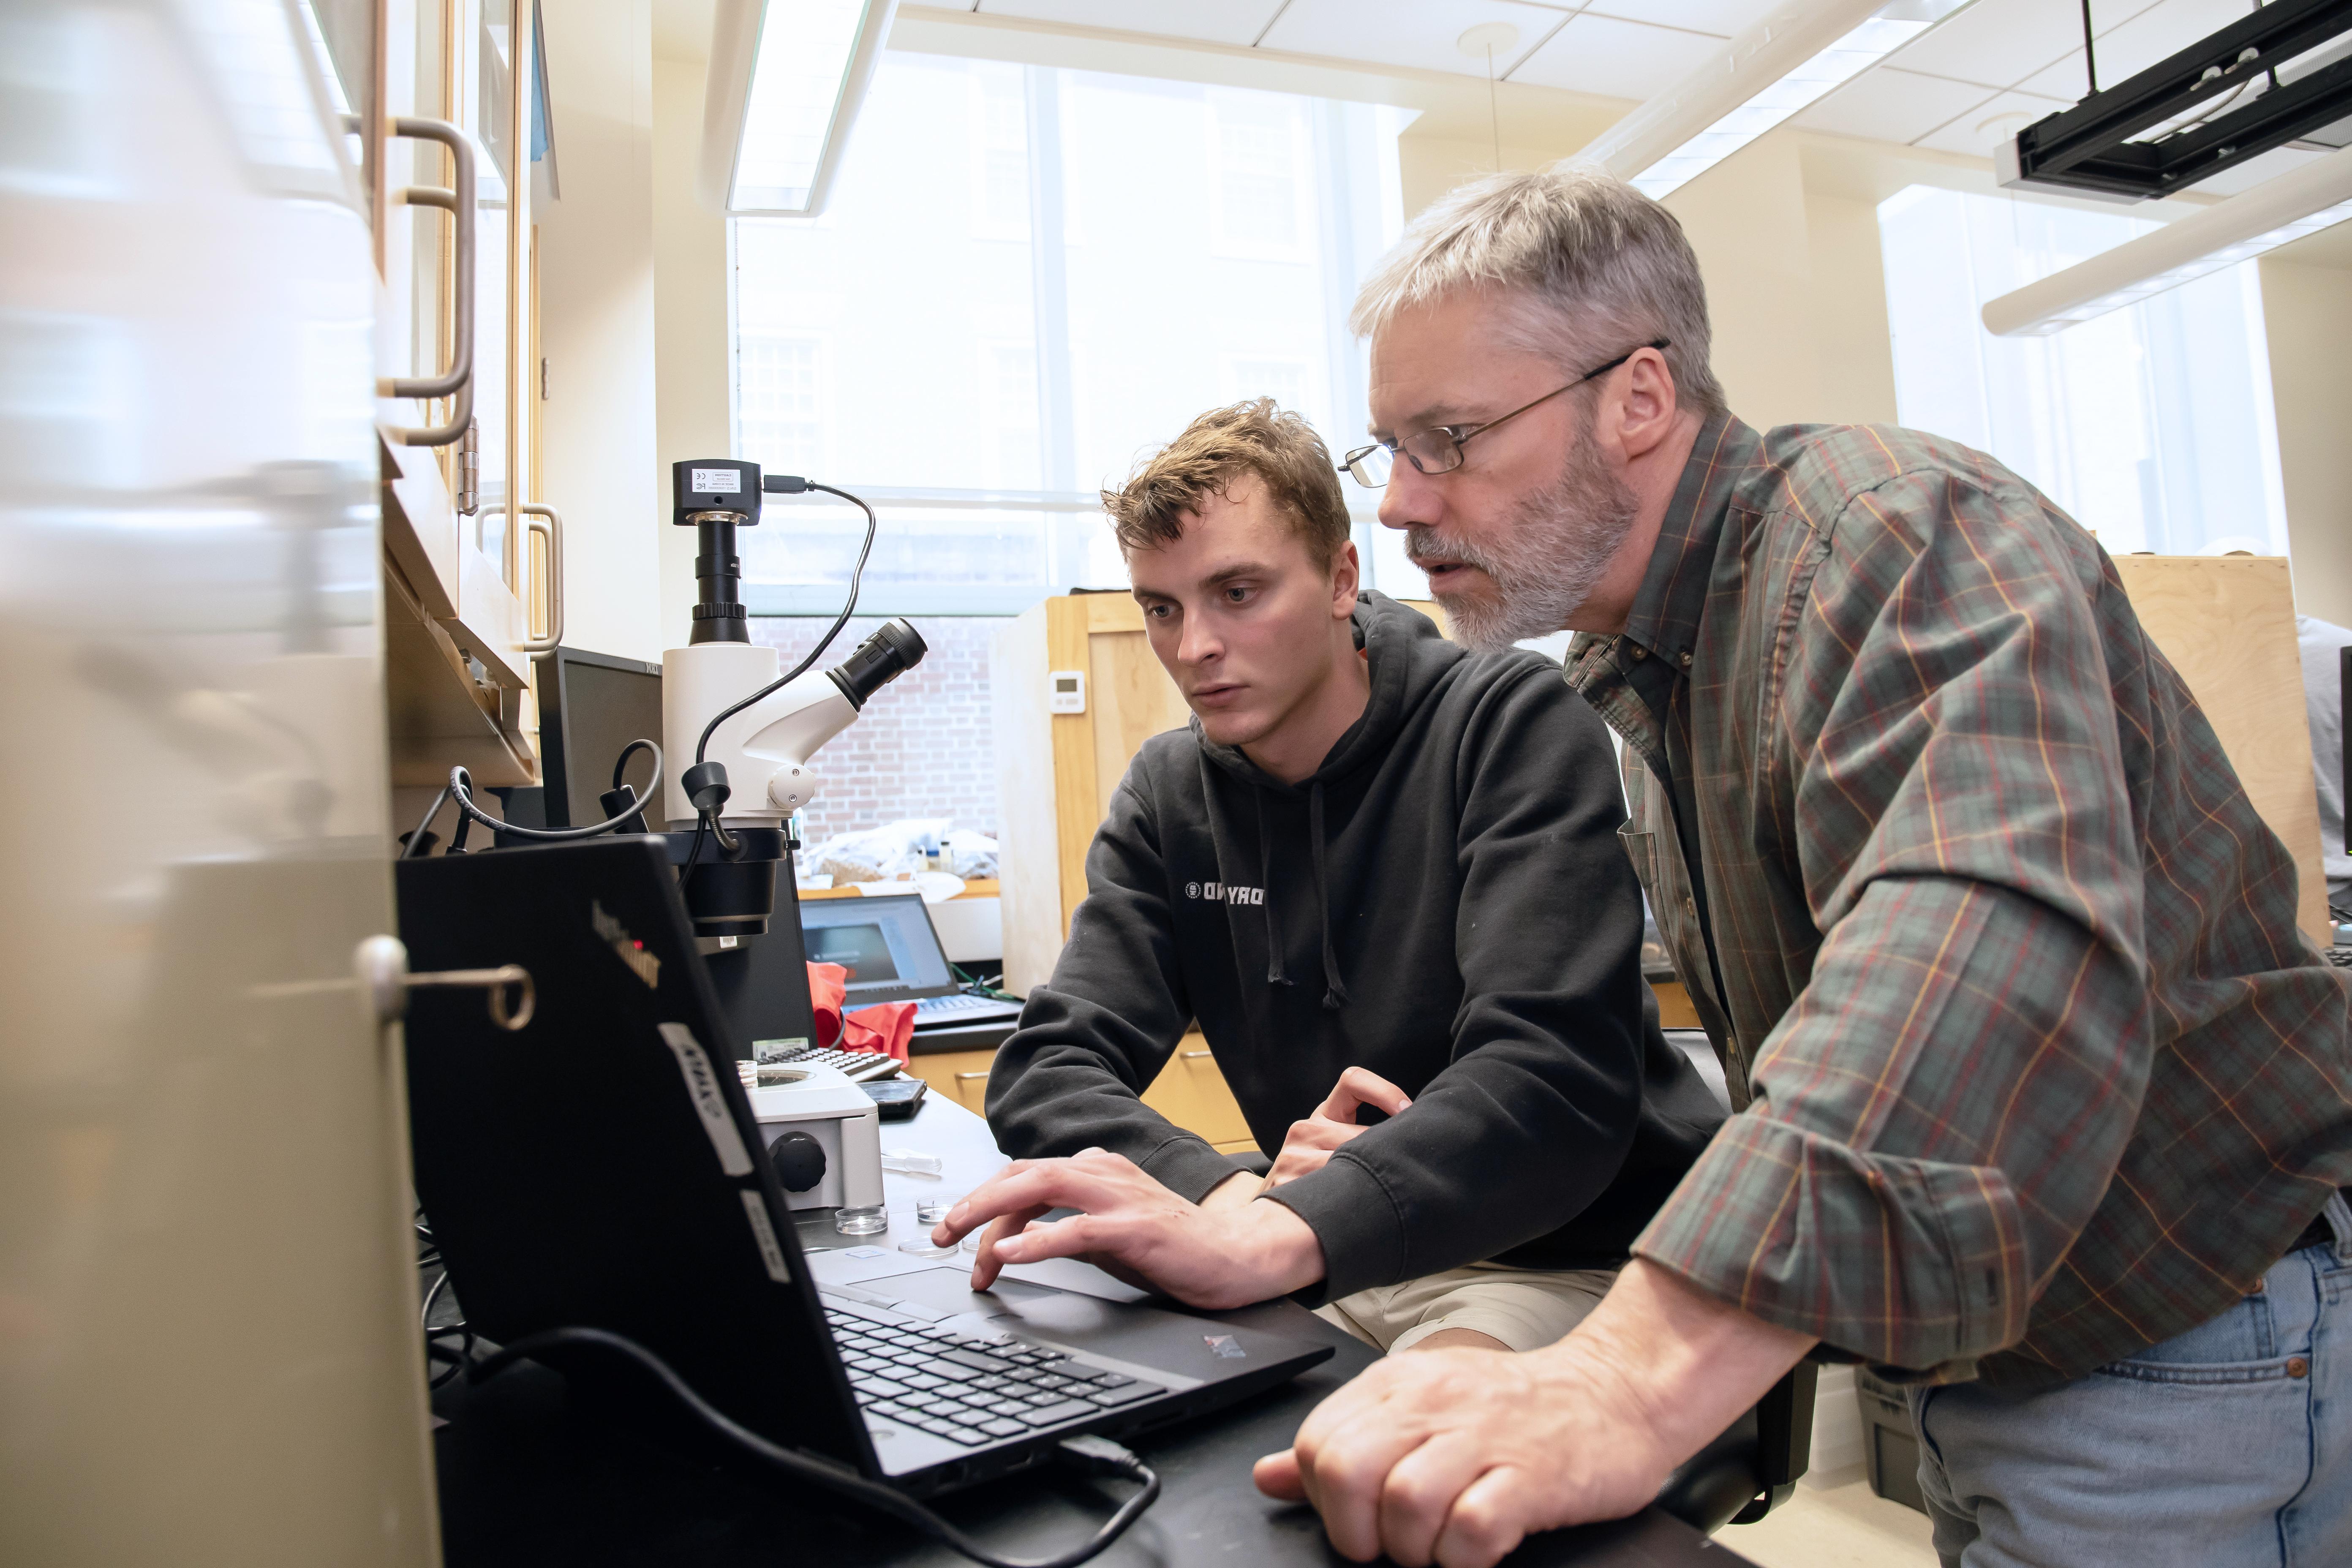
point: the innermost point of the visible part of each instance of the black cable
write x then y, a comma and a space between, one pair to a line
1095, 1456
694, 850
620, 763
461, 790
848, 607
2090, 61
416, 840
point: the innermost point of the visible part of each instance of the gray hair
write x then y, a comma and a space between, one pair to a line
1594, 267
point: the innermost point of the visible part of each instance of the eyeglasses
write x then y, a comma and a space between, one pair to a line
1438, 450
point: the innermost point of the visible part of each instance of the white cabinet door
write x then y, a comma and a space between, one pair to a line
208, 1338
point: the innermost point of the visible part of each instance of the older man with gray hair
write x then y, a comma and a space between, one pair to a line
2042, 1100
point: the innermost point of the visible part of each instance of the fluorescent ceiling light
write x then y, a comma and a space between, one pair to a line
2275, 213
786, 78
1784, 64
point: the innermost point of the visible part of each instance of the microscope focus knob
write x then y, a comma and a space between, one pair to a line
793, 786
799, 1161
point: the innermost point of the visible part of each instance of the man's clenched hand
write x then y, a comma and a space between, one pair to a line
1209, 1257
1452, 1456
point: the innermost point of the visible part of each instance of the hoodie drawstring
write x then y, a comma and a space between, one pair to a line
1274, 972
1335, 989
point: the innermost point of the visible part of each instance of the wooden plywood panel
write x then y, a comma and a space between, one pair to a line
962, 1076
2227, 624
1077, 810
1194, 1095
1131, 698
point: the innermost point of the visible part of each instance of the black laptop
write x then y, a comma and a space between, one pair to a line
600, 1167
892, 953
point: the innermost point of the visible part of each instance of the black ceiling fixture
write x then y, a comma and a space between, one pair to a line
2089, 148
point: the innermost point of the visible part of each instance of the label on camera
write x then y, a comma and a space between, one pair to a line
715, 481
710, 1102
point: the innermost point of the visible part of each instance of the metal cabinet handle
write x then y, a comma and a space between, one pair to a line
1195, 1056
457, 381
546, 519
962, 1076
383, 965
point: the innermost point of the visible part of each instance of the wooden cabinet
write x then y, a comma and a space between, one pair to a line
1056, 771
1190, 1092
2227, 623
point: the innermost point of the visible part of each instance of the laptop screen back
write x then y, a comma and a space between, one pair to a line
886, 943
601, 1166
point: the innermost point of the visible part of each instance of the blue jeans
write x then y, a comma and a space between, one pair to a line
2226, 1446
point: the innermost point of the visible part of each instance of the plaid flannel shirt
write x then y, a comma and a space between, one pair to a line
2042, 1070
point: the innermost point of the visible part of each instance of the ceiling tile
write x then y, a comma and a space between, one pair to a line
1724, 19
2003, 42
2131, 46
1213, 21
1619, 60
1407, 32
1989, 123
1889, 105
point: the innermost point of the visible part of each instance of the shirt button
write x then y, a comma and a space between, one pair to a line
2297, 1367
1640, 652
1686, 661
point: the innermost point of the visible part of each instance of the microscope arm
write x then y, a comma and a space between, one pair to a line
767, 747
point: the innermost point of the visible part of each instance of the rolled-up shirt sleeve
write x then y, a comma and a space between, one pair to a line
1943, 1109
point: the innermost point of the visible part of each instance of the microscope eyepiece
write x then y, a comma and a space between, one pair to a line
894, 649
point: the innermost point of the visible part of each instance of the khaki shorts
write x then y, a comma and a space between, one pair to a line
1526, 1309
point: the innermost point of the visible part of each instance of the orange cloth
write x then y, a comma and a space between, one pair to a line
888, 1027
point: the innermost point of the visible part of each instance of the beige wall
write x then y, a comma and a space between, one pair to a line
596, 327
690, 345
2308, 311
1791, 262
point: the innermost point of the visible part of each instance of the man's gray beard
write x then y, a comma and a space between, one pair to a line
1544, 561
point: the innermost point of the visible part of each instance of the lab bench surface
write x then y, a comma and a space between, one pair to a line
527, 1475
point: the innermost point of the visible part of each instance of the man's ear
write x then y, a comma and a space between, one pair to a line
1345, 575
1641, 404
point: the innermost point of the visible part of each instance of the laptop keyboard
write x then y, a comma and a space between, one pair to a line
855, 1065
963, 1002
969, 1390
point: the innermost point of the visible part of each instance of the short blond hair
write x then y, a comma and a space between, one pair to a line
1250, 437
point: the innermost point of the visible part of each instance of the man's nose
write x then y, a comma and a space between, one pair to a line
1196, 643
1410, 498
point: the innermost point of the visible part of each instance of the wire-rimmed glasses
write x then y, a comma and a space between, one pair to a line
1438, 449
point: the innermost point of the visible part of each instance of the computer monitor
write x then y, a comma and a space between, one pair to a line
589, 706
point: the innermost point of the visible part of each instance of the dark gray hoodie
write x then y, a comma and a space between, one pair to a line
1445, 902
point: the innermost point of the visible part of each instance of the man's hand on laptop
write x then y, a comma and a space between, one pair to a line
1206, 1256
1309, 1145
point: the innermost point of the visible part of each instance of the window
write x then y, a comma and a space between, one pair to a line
1026, 277
780, 408
2151, 425
1257, 172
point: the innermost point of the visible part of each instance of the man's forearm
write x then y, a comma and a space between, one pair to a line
1690, 1364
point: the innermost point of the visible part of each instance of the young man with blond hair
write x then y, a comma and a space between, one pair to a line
1349, 869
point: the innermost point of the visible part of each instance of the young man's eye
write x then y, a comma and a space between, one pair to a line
1159, 612
1237, 596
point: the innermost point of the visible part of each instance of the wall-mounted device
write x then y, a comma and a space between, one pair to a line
1066, 690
